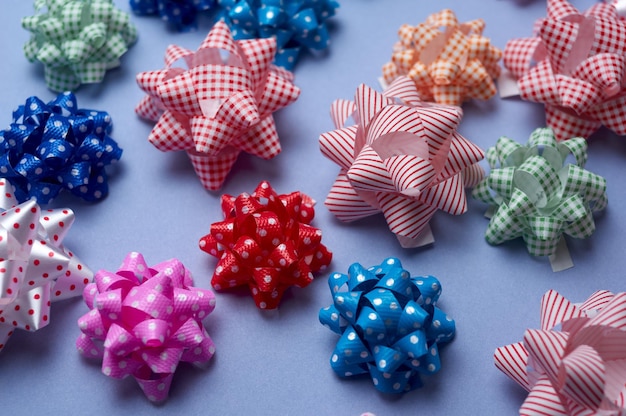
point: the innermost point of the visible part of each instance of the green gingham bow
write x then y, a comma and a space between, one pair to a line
77, 40
539, 195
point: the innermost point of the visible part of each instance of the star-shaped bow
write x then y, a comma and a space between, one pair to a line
35, 267
576, 67
403, 158
450, 62
220, 106
574, 364
77, 41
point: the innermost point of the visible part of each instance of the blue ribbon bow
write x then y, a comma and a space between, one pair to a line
56, 145
389, 325
180, 14
296, 24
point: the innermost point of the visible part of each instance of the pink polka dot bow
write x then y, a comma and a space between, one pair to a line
266, 242
144, 321
403, 158
35, 268
221, 105
574, 364
575, 66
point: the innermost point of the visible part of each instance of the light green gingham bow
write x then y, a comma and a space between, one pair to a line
539, 195
77, 40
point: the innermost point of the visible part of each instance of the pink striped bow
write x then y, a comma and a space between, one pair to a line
220, 106
576, 67
403, 158
576, 363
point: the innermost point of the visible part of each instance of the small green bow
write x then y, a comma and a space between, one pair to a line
77, 40
540, 195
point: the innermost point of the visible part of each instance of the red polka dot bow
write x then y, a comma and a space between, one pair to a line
266, 243
403, 158
574, 364
144, 321
221, 105
35, 268
575, 66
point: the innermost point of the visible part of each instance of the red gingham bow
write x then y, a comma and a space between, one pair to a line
403, 157
579, 68
221, 105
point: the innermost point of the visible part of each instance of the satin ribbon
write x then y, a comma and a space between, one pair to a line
539, 195
77, 41
55, 146
144, 321
296, 25
180, 15
35, 268
574, 364
266, 242
450, 62
216, 109
575, 66
389, 324
403, 158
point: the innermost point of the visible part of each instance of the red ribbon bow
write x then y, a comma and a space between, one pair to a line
266, 242
218, 107
579, 68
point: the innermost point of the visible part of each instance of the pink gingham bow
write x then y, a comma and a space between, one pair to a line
35, 268
144, 321
403, 158
220, 106
576, 363
576, 67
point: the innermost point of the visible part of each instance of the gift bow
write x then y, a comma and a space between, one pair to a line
403, 157
296, 25
181, 15
574, 364
539, 196
35, 267
450, 62
55, 146
389, 325
144, 321
578, 71
77, 40
215, 109
266, 243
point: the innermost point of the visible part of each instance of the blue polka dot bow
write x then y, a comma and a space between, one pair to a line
389, 325
179, 14
55, 146
296, 24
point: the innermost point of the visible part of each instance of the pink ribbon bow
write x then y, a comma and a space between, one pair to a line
218, 107
403, 158
144, 321
35, 268
574, 364
576, 67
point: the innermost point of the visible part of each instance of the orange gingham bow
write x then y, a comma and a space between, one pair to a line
403, 158
448, 66
221, 105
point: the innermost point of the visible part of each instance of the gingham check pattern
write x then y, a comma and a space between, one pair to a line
77, 41
538, 196
463, 68
408, 181
573, 364
216, 109
579, 94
